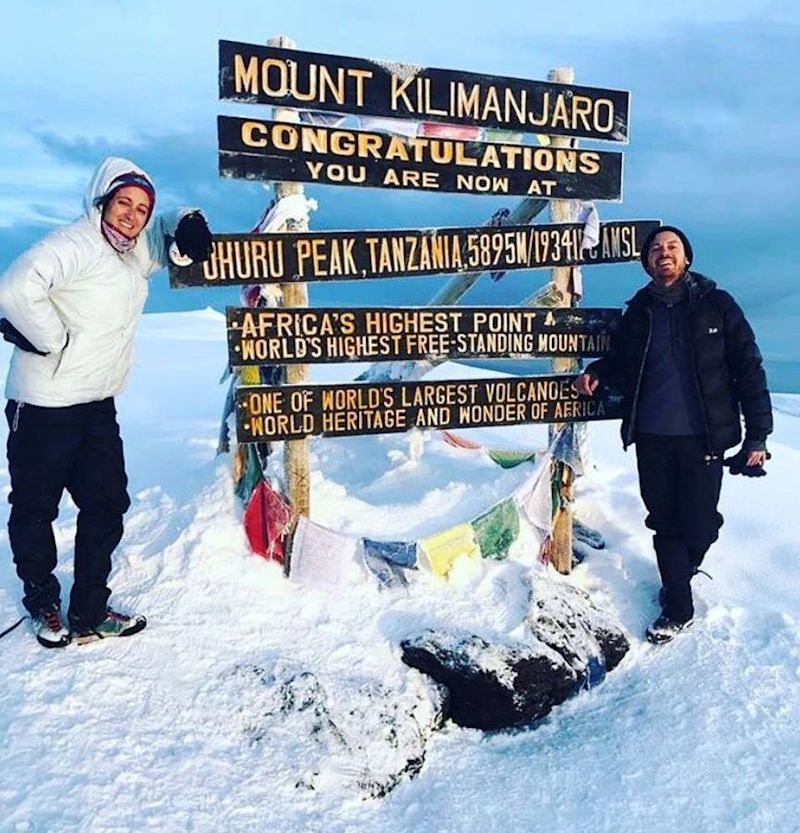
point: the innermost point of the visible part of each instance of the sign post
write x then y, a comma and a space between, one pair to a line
303, 335
354, 409
325, 256
561, 279
362, 87
296, 453
289, 150
273, 150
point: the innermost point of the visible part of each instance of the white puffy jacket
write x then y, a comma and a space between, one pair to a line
76, 298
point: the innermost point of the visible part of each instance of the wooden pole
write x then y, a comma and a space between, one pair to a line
561, 474
296, 452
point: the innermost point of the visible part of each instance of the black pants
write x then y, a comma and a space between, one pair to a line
77, 448
680, 489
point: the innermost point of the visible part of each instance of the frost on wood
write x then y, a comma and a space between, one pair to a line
496, 686
354, 734
396, 371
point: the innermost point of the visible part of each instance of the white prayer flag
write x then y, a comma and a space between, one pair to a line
320, 557
584, 211
394, 127
535, 497
294, 207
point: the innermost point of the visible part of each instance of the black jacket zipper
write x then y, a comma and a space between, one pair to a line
635, 401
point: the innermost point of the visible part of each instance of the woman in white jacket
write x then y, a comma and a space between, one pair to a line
70, 304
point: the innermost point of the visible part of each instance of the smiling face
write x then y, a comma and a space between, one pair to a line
128, 210
666, 257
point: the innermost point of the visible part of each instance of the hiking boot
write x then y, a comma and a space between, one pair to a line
664, 629
115, 624
49, 628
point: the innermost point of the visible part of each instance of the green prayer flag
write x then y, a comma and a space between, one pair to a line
497, 529
509, 459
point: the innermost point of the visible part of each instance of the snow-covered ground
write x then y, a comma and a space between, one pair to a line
151, 733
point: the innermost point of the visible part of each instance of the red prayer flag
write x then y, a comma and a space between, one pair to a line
266, 522
433, 130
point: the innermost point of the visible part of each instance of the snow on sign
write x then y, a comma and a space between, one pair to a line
288, 152
401, 253
275, 335
289, 413
308, 80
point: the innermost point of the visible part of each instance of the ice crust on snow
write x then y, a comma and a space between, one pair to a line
147, 734
361, 736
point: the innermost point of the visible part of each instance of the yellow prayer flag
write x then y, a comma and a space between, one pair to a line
441, 550
250, 375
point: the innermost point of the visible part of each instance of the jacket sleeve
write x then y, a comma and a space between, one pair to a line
610, 369
159, 235
25, 291
747, 372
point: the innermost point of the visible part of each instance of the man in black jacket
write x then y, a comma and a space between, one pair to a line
688, 365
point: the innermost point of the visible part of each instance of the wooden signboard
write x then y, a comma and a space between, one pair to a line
288, 152
404, 253
291, 412
276, 335
312, 81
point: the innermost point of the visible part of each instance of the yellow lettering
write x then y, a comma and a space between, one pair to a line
398, 91
249, 131
245, 77
589, 163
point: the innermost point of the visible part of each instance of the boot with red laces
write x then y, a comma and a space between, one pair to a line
49, 628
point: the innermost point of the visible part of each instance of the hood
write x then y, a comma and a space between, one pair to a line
100, 184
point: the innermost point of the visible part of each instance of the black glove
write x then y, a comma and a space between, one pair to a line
738, 463
12, 334
193, 237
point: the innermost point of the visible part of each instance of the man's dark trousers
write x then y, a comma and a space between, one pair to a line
680, 487
77, 448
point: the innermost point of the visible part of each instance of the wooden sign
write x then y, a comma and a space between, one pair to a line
403, 253
277, 335
291, 412
288, 152
312, 81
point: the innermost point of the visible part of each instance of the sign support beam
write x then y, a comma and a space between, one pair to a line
296, 452
561, 278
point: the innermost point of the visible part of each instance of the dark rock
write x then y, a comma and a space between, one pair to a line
565, 618
496, 686
492, 686
587, 535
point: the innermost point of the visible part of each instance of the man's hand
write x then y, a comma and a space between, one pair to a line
193, 237
758, 458
749, 460
13, 335
586, 383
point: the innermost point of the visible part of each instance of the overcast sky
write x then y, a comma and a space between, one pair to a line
715, 120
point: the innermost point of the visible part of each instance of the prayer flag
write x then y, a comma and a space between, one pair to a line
441, 550
388, 560
464, 132
319, 556
497, 529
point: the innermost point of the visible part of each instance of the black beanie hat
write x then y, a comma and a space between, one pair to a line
650, 237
